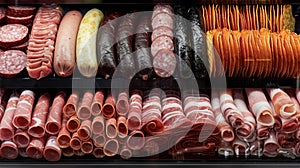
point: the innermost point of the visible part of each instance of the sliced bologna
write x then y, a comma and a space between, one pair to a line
12, 62
52, 152
20, 11
164, 63
13, 34
19, 20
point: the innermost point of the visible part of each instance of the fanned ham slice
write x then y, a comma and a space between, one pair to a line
271, 146
84, 111
6, 127
64, 137
283, 104
53, 124
226, 130
70, 107
97, 102
260, 107
73, 123
134, 119
22, 117
122, 105
108, 109
52, 152
232, 114
21, 138
9, 150
39, 117
36, 147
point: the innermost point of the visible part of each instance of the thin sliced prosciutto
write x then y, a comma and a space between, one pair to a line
87, 146
73, 123
240, 147
70, 107
22, 117
97, 103
52, 152
263, 132
111, 147
151, 113
260, 107
111, 128
75, 142
39, 116
122, 105
64, 137
227, 133
68, 151
270, 148
98, 152
232, 114
84, 111
136, 140
85, 131
278, 123
283, 104
247, 130
256, 148
9, 150
122, 127
134, 119
36, 147
98, 125
6, 127
108, 109
53, 124
286, 140
225, 149
21, 138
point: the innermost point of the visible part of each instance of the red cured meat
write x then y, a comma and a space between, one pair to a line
22, 117
53, 124
239, 147
125, 152
162, 8
12, 35
19, 20
52, 152
6, 127
111, 147
68, 152
73, 124
70, 107
97, 102
64, 137
98, 152
36, 147
87, 146
98, 125
9, 150
111, 128
271, 146
225, 149
134, 119
21, 138
84, 111
12, 62
122, 127
122, 105
162, 31
136, 140
39, 116
108, 109
20, 11
75, 142
163, 19
161, 42
99, 140
85, 131
164, 63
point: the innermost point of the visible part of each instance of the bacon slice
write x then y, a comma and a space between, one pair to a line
21, 138
111, 128
52, 152
75, 142
9, 150
260, 107
39, 116
53, 124
122, 127
108, 109
84, 111
22, 117
134, 119
73, 123
85, 131
70, 107
271, 146
122, 105
64, 137
98, 125
97, 103
36, 147
111, 147
6, 127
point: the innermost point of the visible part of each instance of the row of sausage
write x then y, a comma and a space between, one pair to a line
145, 123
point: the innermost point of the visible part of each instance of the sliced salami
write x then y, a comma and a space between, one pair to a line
164, 63
12, 62
163, 19
2, 15
162, 42
20, 11
162, 9
12, 35
21, 47
19, 20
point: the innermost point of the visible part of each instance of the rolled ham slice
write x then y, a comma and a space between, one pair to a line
36, 147
247, 130
99, 140
232, 114
136, 140
111, 147
271, 146
39, 116
73, 123
85, 131
98, 125
225, 149
68, 151
240, 147
134, 119
263, 132
122, 127
84, 111
70, 107
87, 146
79, 153
125, 152
6, 127
22, 117
97, 103
98, 152
256, 148
286, 140
9, 150
64, 137
108, 109
75, 142
53, 124
282, 102
122, 105
260, 107
21, 138
278, 123
111, 128
52, 152
22, 152
227, 133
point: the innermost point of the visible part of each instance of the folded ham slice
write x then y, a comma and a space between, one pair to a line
99, 140
21, 138
111, 147
111, 128
98, 152
260, 107
68, 151
75, 142
85, 131
136, 140
240, 147
87, 146
98, 125
122, 127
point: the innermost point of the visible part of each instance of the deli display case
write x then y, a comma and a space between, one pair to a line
150, 83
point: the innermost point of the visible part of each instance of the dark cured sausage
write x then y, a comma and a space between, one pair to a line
124, 41
142, 44
105, 45
182, 42
198, 40
20, 11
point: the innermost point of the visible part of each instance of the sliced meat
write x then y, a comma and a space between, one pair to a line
12, 62
85, 130
111, 147
136, 140
87, 146
9, 150
36, 147
51, 151
75, 142
134, 118
12, 35
161, 42
73, 123
21, 138
108, 109
19, 20
64, 137
98, 125
97, 103
111, 128
70, 107
164, 63
122, 127
84, 111
122, 105
20, 11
